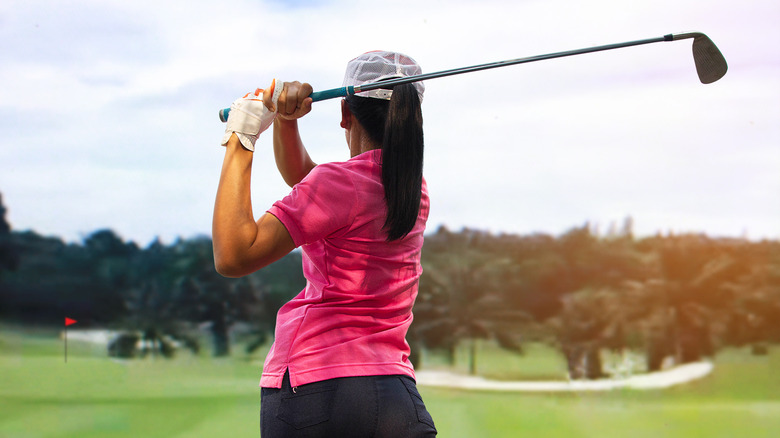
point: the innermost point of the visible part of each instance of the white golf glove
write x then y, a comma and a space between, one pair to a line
248, 116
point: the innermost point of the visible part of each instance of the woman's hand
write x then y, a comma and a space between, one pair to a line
293, 103
251, 115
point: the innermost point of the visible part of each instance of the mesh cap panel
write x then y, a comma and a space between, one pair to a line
375, 66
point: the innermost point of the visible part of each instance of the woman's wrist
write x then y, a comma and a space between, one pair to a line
235, 147
286, 124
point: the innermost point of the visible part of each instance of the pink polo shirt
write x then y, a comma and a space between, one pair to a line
351, 318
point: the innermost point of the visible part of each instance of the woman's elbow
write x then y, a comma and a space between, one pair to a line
225, 270
228, 267
239, 265
229, 272
271, 242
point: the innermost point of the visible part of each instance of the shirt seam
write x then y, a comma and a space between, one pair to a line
353, 209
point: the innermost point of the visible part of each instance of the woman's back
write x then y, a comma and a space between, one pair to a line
353, 315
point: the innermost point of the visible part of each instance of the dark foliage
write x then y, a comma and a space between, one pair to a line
677, 297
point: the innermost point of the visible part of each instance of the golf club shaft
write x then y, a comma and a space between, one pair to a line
348, 91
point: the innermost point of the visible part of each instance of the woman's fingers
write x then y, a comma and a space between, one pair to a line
271, 94
294, 101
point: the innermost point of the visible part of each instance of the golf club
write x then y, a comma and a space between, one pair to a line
710, 66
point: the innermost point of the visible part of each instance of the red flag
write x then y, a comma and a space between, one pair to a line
69, 321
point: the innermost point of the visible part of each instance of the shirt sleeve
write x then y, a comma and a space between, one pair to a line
320, 206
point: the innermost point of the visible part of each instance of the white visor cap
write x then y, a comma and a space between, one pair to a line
379, 65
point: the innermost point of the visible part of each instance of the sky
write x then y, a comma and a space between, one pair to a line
108, 110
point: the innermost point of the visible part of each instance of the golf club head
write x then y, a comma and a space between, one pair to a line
710, 63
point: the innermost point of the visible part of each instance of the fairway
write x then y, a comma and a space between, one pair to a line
93, 396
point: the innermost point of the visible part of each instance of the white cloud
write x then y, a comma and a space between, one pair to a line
109, 110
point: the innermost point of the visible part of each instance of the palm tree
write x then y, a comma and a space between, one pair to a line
691, 300
755, 315
461, 300
589, 275
594, 319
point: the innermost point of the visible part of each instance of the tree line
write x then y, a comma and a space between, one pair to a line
158, 294
678, 297
670, 296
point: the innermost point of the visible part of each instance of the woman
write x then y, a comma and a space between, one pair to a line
339, 365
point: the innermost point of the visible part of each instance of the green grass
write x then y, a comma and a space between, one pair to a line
93, 396
741, 398
539, 362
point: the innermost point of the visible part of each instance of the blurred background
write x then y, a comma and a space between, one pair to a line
593, 218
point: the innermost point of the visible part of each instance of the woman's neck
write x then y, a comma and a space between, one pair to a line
359, 141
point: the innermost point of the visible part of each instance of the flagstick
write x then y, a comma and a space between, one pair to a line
68, 322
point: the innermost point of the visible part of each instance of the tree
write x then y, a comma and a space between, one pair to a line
755, 316
461, 299
176, 289
111, 260
55, 279
586, 274
205, 296
690, 300
153, 308
9, 258
594, 319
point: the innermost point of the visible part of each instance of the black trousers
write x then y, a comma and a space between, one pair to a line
374, 406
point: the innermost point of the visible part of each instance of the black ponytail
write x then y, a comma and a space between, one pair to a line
397, 126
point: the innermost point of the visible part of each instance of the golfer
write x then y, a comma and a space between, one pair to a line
339, 365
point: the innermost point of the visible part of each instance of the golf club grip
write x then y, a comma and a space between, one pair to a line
316, 96
333, 93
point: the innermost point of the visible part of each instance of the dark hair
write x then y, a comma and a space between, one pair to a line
397, 126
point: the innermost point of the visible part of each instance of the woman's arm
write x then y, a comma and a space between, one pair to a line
292, 159
241, 244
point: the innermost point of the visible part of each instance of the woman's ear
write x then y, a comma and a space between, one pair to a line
346, 115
